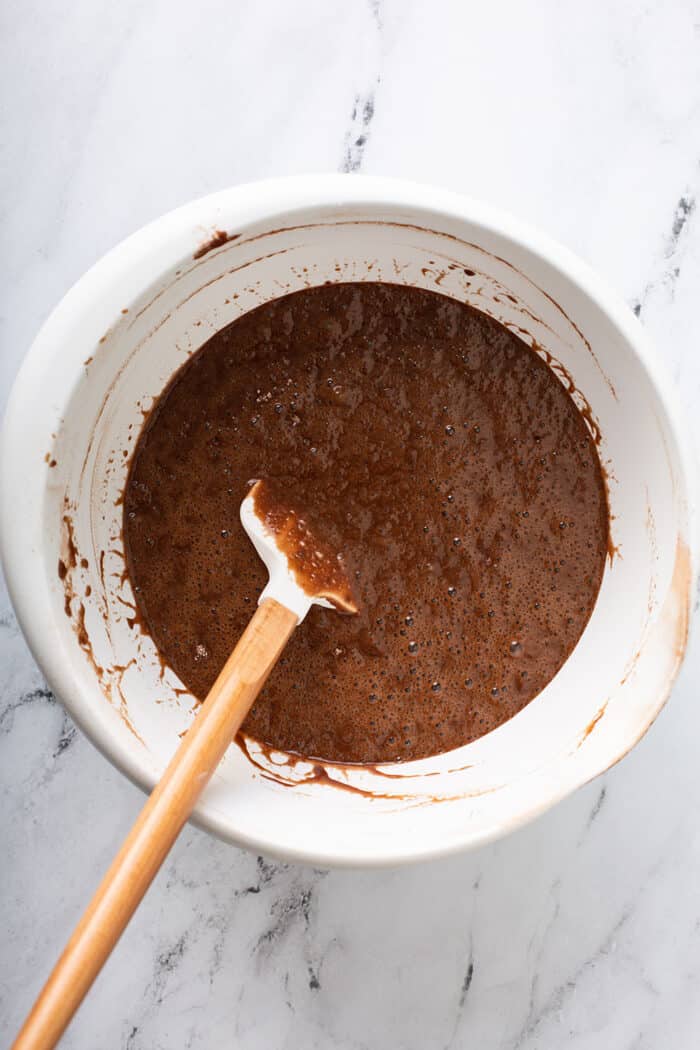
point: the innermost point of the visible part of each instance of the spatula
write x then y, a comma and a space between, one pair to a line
303, 571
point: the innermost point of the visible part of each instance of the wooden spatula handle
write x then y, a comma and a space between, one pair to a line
158, 825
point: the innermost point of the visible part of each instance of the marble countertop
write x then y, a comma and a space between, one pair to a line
583, 929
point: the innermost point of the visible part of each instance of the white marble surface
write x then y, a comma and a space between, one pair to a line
581, 931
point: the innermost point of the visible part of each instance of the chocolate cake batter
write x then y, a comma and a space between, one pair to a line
436, 451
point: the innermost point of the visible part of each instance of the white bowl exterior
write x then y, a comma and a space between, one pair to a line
94, 371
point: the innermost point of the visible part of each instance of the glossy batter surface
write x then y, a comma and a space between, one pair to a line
431, 446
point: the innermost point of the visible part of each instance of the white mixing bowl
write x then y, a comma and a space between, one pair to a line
108, 350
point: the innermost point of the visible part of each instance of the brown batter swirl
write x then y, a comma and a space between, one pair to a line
442, 457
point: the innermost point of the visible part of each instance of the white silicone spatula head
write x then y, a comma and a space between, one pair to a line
303, 570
